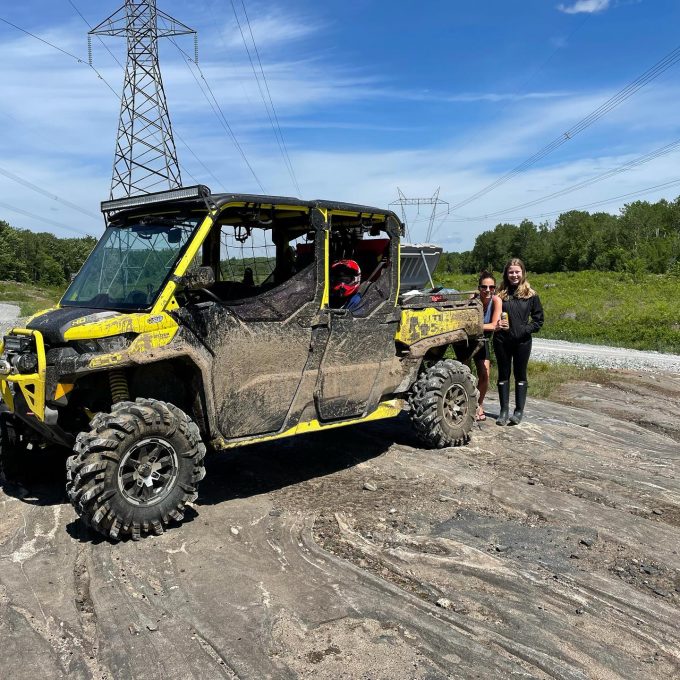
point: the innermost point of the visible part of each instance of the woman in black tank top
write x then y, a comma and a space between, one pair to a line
491, 304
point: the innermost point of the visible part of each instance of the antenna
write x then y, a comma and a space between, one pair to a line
146, 156
433, 200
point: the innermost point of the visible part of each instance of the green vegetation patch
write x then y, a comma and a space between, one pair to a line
29, 298
606, 308
544, 378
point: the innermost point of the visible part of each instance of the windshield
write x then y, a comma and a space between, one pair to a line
130, 264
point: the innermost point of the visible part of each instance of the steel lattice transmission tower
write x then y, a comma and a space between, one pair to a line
433, 200
146, 156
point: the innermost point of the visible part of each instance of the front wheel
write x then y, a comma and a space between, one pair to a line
443, 403
136, 469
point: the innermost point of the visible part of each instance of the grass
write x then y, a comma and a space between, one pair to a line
545, 378
603, 308
29, 298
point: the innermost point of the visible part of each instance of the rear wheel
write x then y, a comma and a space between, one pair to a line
443, 403
136, 469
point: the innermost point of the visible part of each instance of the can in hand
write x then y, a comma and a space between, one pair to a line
504, 317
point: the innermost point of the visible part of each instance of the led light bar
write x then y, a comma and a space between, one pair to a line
198, 191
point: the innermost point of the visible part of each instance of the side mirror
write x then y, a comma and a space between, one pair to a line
201, 277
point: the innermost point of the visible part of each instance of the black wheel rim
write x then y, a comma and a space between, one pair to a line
148, 471
455, 404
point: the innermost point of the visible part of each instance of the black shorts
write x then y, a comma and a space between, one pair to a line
484, 353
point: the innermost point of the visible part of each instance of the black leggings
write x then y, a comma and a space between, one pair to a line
509, 352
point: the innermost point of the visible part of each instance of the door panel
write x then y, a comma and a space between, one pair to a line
350, 379
357, 365
256, 375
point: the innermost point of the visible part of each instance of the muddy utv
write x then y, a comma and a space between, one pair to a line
206, 319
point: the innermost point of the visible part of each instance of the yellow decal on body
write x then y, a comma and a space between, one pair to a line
62, 390
417, 324
117, 325
142, 344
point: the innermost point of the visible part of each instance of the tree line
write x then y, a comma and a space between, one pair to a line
40, 258
644, 237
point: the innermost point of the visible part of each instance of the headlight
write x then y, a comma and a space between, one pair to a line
114, 343
25, 363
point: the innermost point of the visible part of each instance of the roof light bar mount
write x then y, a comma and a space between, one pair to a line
116, 205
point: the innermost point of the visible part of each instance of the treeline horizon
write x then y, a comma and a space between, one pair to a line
40, 258
643, 238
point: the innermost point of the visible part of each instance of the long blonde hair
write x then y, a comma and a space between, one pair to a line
524, 290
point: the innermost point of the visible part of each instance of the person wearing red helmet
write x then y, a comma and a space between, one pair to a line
345, 282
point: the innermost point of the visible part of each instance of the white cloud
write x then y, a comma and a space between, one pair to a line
270, 30
585, 7
59, 126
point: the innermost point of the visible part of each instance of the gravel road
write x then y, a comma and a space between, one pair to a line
8, 315
560, 351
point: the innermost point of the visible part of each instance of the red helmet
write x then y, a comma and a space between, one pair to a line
345, 278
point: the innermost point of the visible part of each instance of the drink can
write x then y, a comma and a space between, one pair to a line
504, 316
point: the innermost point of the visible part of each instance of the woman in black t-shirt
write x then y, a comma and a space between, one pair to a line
512, 339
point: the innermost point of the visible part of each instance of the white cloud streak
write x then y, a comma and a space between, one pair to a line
59, 124
585, 7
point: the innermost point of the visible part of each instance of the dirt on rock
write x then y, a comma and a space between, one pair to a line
547, 550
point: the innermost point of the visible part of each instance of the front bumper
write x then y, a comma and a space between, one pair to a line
30, 385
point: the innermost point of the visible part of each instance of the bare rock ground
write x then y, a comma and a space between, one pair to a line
548, 550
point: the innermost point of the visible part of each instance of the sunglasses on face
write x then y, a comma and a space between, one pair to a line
487, 288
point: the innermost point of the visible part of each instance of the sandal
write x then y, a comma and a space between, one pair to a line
480, 415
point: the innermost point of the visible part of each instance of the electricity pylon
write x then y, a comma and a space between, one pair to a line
434, 201
146, 156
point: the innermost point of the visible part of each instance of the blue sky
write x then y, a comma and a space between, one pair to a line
371, 95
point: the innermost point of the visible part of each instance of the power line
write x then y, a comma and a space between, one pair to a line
434, 201
80, 61
179, 137
274, 122
639, 192
527, 80
54, 197
145, 155
59, 49
26, 213
217, 110
636, 162
594, 204
654, 72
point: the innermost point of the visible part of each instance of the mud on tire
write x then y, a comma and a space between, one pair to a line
443, 403
136, 469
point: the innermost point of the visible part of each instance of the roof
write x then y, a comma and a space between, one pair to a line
201, 194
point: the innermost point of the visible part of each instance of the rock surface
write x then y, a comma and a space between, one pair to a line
326, 580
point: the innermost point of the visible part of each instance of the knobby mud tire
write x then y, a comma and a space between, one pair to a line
443, 403
93, 482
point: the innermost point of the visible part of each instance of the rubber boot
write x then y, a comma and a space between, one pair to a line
520, 400
504, 399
